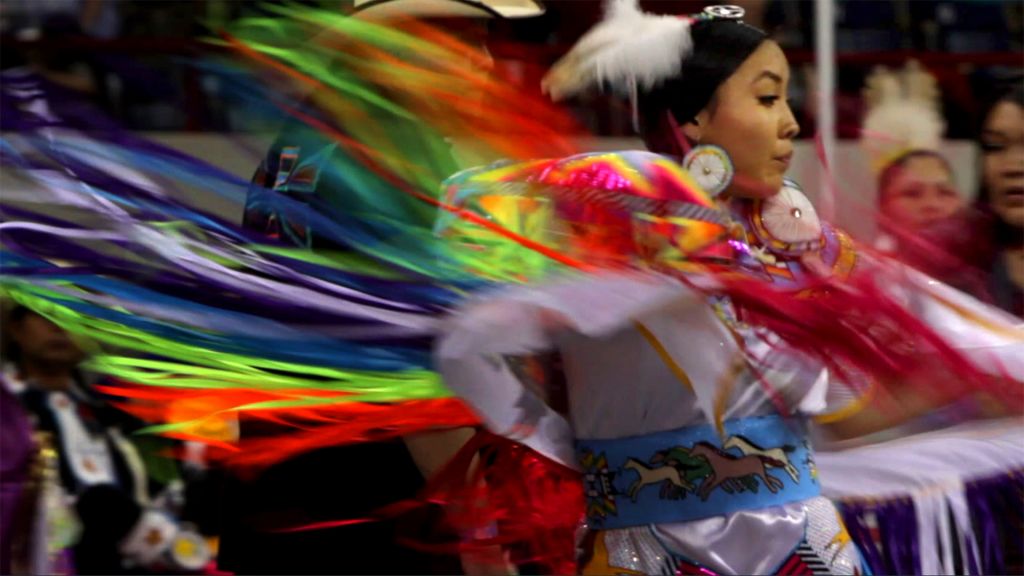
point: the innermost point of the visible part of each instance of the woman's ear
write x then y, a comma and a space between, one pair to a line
694, 129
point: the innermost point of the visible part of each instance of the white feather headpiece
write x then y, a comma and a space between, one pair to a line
903, 114
628, 49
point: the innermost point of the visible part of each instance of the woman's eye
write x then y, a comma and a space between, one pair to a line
767, 100
991, 147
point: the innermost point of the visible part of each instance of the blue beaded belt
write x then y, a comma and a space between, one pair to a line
693, 473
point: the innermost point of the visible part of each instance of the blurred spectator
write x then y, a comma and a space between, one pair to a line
917, 191
27, 19
49, 20
21, 483
926, 223
125, 494
964, 26
1001, 196
923, 217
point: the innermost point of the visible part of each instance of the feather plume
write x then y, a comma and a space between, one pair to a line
628, 48
903, 114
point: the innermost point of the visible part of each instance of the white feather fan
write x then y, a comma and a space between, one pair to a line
626, 50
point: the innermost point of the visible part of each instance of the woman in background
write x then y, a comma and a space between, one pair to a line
1001, 197
923, 218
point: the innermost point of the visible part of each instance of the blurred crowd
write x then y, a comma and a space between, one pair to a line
136, 59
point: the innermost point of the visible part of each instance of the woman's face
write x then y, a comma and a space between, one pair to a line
750, 118
1002, 143
921, 193
43, 342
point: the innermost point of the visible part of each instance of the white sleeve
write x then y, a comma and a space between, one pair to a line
508, 408
992, 339
521, 320
524, 319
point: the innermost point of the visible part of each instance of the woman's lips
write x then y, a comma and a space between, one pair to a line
784, 159
1014, 195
